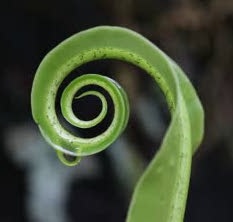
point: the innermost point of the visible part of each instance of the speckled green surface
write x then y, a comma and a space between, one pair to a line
160, 194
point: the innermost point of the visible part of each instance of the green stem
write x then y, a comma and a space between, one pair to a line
161, 193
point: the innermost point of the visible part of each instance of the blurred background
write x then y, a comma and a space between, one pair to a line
36, 187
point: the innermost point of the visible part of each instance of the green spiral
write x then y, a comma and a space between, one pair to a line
161, 193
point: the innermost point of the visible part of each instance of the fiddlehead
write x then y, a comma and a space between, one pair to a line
161, 192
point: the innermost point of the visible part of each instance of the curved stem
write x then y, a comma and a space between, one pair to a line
160, 194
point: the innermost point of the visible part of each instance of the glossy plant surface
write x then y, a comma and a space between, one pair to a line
160, 194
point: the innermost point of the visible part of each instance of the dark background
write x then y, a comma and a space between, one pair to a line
198, 35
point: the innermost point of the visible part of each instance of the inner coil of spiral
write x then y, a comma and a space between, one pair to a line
86, 108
